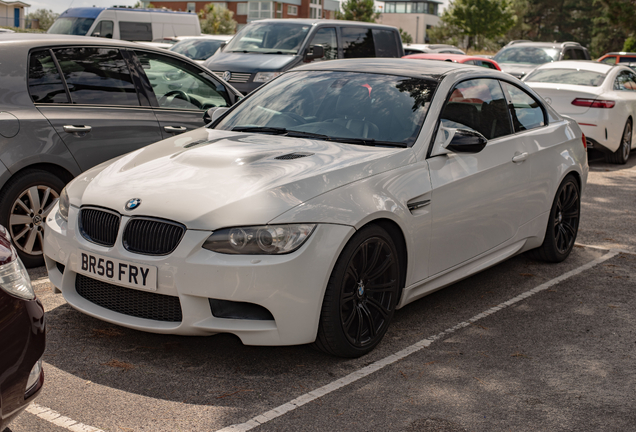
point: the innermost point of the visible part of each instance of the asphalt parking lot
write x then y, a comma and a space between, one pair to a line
521, 346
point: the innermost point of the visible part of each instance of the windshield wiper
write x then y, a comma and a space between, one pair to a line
368, 142
301, 134
261, 129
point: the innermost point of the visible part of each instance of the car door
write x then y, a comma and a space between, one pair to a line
477, 198
100, 116
181, 92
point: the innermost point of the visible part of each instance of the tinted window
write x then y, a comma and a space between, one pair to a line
527, 54
627, 59
488, 65
103, 29
579, 54
569, 55
479, 105
567, 76
135, 31
526, 111
385, 43
45, 83
327, 38
97, 76
357, 42
625, 81
182, 86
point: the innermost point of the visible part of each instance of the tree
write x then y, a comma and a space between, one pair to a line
406, 38
480, 19
216, 19
358, 10
45, 18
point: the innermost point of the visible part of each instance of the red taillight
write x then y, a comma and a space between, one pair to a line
593, 103
584, 142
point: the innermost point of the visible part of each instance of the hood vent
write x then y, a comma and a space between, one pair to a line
295, 155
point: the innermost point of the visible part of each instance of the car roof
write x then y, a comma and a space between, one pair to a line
35, 40
543, 45
622, 53
310, 21
441, 56
587, 65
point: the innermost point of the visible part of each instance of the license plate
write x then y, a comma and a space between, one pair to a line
118, 272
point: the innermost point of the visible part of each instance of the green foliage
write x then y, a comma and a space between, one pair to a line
46, 17
358, 10
445, 33
480, 19
216, 19
406, 38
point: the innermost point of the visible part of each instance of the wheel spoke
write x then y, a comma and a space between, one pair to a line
572, 200
352, 273
34, 198
45, 198
383, 287
569, 230
28, 247
360, 323
374, 260
379, 307
572, 214
23, 205
346, 298
383, 267
48, 209
367, 313
21, 234
347, 323
17, 219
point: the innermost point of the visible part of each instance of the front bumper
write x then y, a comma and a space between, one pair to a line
291, 287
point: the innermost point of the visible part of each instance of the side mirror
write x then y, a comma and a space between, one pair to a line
96, 34
467, 141
222, 46
315, 51
213, 113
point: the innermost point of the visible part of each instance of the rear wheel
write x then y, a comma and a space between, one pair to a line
621, 155
361, 295
563, 224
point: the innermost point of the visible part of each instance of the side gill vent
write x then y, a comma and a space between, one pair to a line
293, 156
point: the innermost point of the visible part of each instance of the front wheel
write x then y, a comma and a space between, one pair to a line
563, 224
361, 295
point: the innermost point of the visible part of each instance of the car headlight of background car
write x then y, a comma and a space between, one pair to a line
259, 240
266, 76
64, 204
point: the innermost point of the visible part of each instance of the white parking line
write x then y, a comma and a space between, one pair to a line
59, 420
355, 376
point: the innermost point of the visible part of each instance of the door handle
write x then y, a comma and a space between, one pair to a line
78, 131
520, 157
175, 129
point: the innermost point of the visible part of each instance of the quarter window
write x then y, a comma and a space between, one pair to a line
97, 76
385, 43
45, 82
357, 42
526, 112
478, 105
327, 38
625, 81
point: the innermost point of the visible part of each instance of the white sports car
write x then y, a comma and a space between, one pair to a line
312, 210
600, 97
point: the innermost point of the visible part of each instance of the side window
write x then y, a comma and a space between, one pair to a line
488, 65
625, 81
569, 55
327, 38
135, 31
104, 29
385, 43
479, 105
625, 59
357, 42
609, 60
45, 83
579, 54
526, 112
97, 76
178, 85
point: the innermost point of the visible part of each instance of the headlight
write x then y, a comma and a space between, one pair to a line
259, 240
64, 204
266, 76
15, 280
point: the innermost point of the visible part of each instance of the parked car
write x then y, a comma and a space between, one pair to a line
410, 49
264, 49
125, 23
518, 58
600, 97
317, 206
457, 58
200, 48
68, 103
22, 335
618, 57
4, 30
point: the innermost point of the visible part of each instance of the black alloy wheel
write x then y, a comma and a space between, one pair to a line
361, 296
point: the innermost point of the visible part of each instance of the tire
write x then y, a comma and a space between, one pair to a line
621, 155
361, 295
24, 214
563, 224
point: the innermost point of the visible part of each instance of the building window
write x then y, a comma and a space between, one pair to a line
191, 6
279, 10
259, 10
411, 7
241, 8
292, 10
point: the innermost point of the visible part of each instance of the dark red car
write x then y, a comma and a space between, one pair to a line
457, 58
22, 335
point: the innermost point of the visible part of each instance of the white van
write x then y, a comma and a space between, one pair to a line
127, 24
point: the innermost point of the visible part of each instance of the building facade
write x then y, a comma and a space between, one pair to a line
414, 17
246, 11
12, 13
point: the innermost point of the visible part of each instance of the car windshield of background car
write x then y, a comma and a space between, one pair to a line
531, 55
71, 26
357, 108
567, 76
269, 38
197, 49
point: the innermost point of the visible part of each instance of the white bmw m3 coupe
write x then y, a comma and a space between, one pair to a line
317, 206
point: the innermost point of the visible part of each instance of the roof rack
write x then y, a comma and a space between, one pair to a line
570, 43
512, 42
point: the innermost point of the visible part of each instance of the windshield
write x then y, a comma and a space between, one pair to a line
357, 108
197, 49
71, 26
527, 54
567, 76
269, 38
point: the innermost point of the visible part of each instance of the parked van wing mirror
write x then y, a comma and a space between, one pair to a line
315, 51
213, 113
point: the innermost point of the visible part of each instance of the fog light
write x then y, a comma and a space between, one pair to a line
34, 377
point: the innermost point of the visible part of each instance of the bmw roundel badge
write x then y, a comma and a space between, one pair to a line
133, 203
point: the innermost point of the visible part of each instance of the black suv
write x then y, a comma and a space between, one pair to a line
520, 57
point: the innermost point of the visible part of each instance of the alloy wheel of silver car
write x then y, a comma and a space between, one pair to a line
28, 216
